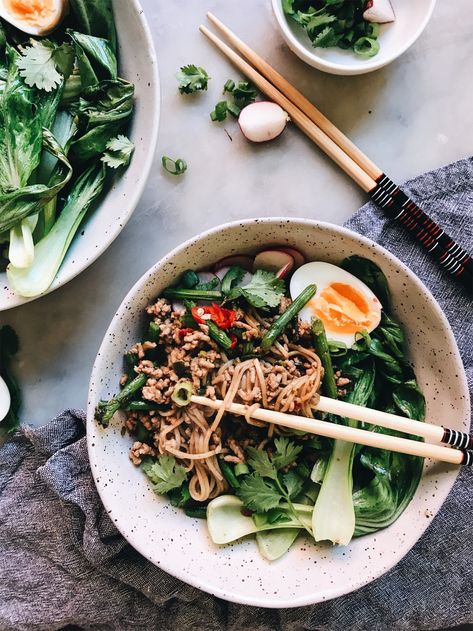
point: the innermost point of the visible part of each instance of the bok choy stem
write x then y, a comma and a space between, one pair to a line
50, 251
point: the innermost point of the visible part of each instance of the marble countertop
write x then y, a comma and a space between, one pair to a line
410, 117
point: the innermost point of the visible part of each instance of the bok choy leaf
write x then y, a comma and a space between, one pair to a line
95, 59
50, 251
19, 203
95, 17
104, 111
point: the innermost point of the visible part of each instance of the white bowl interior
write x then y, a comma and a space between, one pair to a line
308, 573
395, 38
138, 65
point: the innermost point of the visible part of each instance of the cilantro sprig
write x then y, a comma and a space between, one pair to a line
192, 79
164, 474
265, 289
267, 487
118, 152
44, 65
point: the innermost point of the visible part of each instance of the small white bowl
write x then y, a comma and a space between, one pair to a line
308, 573
395, 38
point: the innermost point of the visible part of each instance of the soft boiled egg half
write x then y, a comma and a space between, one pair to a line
35, 17
343, 302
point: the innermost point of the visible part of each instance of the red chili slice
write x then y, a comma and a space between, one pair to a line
184, 332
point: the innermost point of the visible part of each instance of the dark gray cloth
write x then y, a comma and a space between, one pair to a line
63, 562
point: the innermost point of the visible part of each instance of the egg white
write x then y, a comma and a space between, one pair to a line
324, 274
42, 26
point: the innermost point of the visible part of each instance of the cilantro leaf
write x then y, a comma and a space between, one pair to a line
165, 474
293, 483
37, 66
233, 277
286, 452
259, 495
264, 290
118, 152
259, 460
192, 78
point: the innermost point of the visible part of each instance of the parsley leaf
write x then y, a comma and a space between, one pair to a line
118, 152
259, 495
192, 78
165, 474
264, 290
37, 66
286, 452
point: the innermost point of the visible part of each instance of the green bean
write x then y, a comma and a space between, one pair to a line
106, 409
153, 332
219, 336
229, 474
329, 386
291, 312
192, 294
142, 406
199, 512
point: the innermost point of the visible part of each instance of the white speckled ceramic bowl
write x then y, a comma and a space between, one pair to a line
309, 573
138, 65
395, 38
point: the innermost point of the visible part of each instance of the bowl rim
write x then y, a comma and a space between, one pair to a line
310, 57
138, 188
117, 321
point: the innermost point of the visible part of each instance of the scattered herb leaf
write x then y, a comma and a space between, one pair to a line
192, 78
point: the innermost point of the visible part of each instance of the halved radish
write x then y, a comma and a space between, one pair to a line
262, 121
299, 258
220, 273
238, 259
206, 277
284, 271
273, 261
379, 11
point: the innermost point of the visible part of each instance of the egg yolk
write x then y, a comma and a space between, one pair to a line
343, 309
35, 12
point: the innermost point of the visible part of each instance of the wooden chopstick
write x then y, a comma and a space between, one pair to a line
430, 432
384, 192
299, 100
342, 432
319, 137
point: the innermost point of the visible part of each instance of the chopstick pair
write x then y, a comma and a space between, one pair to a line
463, 456
385, 193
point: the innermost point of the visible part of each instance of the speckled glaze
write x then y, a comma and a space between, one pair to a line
309, 573
138, 65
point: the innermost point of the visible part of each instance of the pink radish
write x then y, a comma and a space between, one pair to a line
205, 277
238, 259
379, 11
262, 121
299, 258
275, 261
284, 271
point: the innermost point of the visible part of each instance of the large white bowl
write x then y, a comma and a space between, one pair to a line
308, 573
137, 63
395, 38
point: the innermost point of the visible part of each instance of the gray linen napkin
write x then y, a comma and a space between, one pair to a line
64, 563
